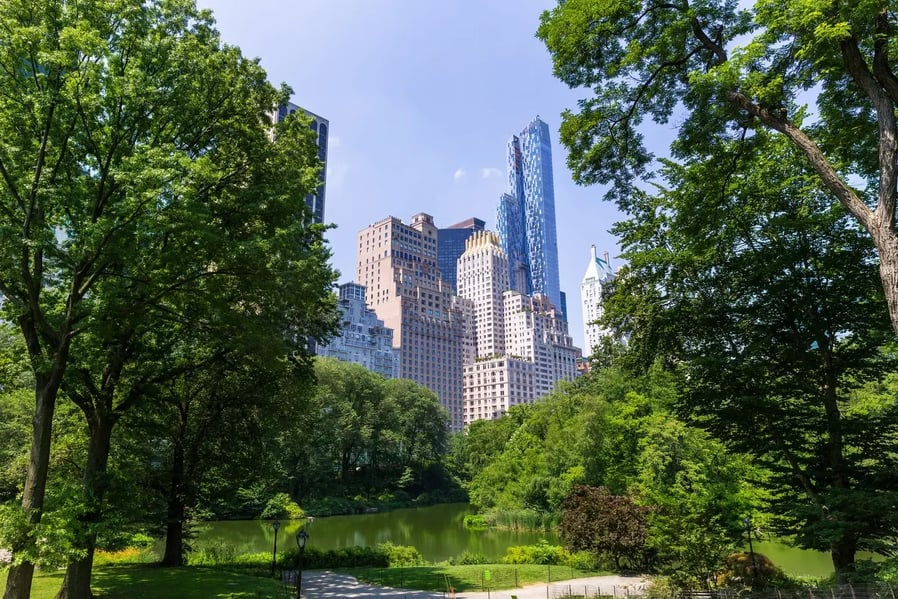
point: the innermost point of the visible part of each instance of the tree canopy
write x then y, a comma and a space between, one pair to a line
143, 187
721, 69
739, 278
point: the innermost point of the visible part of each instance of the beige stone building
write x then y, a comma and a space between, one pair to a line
397, 263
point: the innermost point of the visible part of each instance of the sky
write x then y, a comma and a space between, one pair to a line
422, 97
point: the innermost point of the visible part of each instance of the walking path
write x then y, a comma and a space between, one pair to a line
323, 584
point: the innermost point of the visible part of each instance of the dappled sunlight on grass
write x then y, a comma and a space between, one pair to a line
153, 582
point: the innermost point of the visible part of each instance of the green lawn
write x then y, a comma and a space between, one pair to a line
467, 578
151, 582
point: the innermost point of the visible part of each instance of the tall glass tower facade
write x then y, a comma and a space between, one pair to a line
451, 245
532, 192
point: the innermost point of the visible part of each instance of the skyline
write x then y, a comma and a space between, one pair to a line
422, 99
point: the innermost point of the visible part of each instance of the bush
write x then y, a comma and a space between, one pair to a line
476, 522
662, 588
738, 571
282, 506
349, 557
401, 555
582, 560
542, 553
469, 558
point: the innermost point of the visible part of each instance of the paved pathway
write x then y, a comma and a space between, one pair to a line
322, 584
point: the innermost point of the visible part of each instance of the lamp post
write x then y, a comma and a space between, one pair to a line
751, 550
301, 537
274, 552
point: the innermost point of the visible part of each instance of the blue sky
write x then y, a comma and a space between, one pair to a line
422, 96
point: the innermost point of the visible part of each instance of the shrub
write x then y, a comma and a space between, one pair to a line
401, 555
349, 557
128, 555
541, 553
738, 571
469, 558
476, 522
282, 506
662, 587
582, 560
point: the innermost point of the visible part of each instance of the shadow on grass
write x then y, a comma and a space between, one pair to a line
154, 582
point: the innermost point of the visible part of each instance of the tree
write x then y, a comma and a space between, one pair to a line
731, 70
700, 493
140, 175
739, 276
594, 520
421, 425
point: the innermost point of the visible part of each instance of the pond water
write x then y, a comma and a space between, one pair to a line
438, 532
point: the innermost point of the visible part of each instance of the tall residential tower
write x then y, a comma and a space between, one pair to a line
598, 274
526, 215
397, 263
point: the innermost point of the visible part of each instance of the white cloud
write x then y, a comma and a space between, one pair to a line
334, 142
488, 172
459, 174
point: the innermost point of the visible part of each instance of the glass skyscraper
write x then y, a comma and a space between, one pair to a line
526, 215
451, 245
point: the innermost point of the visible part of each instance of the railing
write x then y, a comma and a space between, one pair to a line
846, 591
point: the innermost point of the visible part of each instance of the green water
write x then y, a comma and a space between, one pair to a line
437, 531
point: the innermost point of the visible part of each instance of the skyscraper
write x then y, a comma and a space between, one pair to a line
598, 274
526, 215
522, 345
398, 265
315, 201
451, 245
363, 338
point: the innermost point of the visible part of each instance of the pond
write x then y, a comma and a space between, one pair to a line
438, 532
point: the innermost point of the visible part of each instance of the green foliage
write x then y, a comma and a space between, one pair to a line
359, 435
281, 506
699, 494
541, 553
469, 558
401, 555
476, 522
737, 281
348, 557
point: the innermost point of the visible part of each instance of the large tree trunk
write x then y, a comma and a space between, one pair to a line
46, 390
76, 584
843, 553
18, 582
174, 528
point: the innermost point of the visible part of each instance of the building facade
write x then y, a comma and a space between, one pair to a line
363, 338
397, 263
451, 245
536, 332
483, 279
598, 274
531, 191
522, 345
315, 201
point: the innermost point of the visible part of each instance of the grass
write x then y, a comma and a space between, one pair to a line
125, 581
466, 578
152, 582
